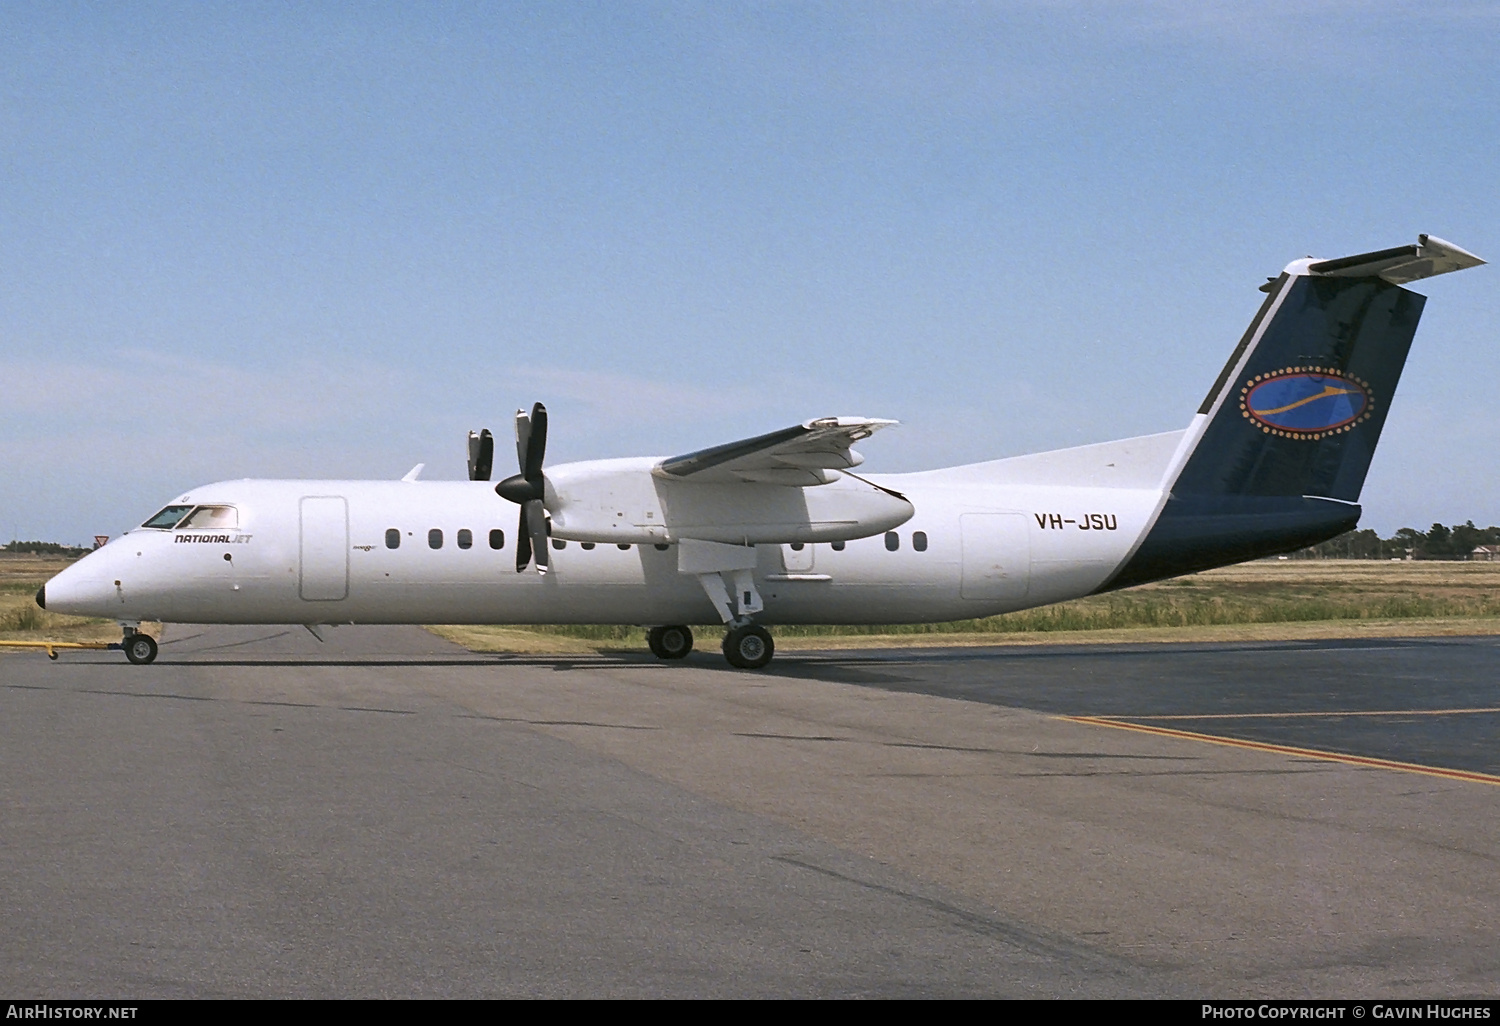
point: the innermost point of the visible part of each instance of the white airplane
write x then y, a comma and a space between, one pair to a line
779, 529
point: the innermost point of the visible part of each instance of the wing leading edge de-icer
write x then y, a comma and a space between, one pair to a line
778, 528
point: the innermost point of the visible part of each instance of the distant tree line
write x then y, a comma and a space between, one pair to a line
1437, 542
37, 548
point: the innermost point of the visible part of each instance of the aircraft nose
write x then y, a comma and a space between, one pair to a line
83, 589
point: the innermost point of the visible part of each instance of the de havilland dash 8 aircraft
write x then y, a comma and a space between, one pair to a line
780, 529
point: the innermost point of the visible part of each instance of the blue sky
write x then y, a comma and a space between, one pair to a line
328, 239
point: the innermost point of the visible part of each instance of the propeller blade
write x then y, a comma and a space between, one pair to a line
536, 521
529, 489
523, 543
486, 454
481, 455
536, 445
523, 438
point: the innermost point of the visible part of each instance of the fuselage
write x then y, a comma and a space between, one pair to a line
779, 528
973, 541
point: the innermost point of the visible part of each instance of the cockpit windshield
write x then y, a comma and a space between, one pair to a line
219, 517
168, 517
202, 517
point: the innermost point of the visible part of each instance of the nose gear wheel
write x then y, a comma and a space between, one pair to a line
139, 648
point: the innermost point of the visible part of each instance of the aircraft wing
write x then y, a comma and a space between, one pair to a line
799, 455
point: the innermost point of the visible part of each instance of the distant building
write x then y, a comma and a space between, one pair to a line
1488, 553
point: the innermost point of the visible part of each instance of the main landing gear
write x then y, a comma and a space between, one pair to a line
673, 642
747, 646
727, 575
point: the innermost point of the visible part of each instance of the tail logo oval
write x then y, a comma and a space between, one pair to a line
1306, 402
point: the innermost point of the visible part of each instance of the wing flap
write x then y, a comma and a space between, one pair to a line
797, 456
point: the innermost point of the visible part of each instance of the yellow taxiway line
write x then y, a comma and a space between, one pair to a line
1303, 753
1302, 715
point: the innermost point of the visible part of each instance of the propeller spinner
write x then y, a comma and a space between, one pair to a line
528, 488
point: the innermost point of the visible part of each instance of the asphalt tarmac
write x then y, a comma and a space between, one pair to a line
258, 814
1433, 701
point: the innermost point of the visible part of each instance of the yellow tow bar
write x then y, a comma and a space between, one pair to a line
53, 646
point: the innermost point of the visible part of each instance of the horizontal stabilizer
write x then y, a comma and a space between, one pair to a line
1398, 266
796, 456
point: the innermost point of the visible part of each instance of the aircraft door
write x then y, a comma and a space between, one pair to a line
996, 555
797, 558
324, 548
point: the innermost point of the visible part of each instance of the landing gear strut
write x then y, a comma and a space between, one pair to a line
748, 646
139, 648
672, 642
727, 575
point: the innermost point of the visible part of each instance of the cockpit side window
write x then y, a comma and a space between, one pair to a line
167, 518
219, 518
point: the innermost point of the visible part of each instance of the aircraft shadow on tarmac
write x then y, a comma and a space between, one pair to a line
1424, 701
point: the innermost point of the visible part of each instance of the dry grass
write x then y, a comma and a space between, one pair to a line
533, 640
1281, 599
1282, 591
18, 572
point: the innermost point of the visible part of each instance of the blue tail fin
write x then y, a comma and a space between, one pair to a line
1279, 452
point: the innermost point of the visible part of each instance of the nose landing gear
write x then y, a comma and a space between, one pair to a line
139, 648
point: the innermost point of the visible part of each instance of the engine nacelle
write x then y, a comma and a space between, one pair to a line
621, 501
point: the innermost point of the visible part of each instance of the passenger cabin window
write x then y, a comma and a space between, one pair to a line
435, 538
168, 518
585, 545
797, 546
622, 545
497, 539
892, 541
558, 543
837, 546
919, 540
392, 538
466, 539
221, 518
